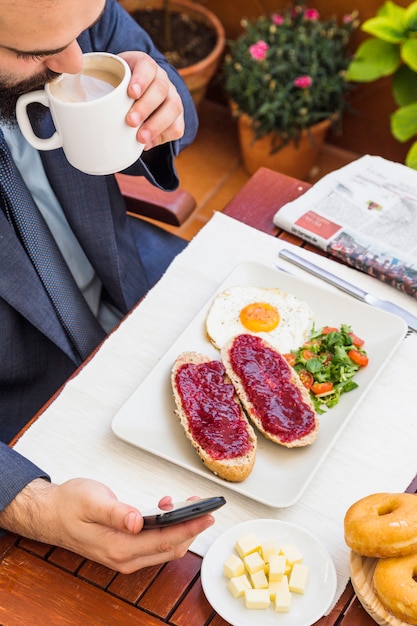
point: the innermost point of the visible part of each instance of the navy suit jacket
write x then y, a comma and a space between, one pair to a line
35, 357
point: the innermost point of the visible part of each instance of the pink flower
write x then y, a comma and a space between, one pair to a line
303, 82
312, 14
277, 19
347, 19
258, 50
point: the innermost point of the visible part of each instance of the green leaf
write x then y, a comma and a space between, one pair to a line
385, 28
404, 122
410, 17
409, 53
404, 86
373, 60
411, 157
391, 10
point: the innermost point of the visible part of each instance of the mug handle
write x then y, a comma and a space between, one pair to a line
51, 143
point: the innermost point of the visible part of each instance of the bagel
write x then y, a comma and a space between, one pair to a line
382, 525
396, 587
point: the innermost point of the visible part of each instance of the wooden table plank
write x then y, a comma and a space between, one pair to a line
171, 585
194, 608
66, 559
7, 541
40, 549
35, 592
97, 574
131, 587
261, 197
357, 616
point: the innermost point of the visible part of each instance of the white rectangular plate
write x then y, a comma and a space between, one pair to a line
280, 475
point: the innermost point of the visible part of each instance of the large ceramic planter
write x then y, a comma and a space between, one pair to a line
197, 76
294, 161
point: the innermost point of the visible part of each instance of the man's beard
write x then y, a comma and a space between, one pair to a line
9, 94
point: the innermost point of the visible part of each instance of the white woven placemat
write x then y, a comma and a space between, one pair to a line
73, 437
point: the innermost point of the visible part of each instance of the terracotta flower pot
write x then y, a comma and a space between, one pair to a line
198, 75
291, 160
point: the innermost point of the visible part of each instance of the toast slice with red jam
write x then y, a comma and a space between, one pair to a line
212, 417
270, 391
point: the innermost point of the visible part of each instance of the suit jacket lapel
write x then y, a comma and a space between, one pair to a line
89, 214
92, 206
21, 287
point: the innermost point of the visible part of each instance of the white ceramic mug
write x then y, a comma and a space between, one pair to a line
88, 110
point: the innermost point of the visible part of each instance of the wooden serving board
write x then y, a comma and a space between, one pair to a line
361, 572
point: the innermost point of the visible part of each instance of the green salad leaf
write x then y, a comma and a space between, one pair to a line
327, 363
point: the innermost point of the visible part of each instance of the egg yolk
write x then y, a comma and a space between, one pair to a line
259, 317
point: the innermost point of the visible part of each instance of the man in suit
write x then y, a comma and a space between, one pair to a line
113, 259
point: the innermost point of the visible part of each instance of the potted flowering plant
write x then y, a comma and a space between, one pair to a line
285, 74
191, 37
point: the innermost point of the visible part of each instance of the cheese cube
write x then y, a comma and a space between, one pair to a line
277, 567
268, 548
257, 599
278, 585
259, 580
247, 544
282, 601
254, 562
298, 578
273, 588
292, 553
283, 584
238, 585
233, 566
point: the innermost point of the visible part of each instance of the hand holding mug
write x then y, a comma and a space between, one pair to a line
89, 111
157, 111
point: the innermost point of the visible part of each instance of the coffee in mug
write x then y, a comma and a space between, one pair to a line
88, 110
85, 86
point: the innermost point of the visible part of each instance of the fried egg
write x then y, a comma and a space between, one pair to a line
280, 318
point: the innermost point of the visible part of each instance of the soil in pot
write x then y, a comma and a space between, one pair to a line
192, 41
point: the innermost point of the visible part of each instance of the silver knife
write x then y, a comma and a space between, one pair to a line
347, 287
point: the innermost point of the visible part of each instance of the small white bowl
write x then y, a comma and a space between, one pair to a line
306, 608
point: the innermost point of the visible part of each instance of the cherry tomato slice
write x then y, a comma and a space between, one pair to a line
306, 378
321, 388
290, 358
312, 343
357, 341
329, 329
308, 354
358, 357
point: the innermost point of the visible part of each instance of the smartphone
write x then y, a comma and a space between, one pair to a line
182, 512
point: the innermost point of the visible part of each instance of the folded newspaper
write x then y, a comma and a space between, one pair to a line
365, 214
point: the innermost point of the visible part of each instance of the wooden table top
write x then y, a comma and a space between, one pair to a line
40, 584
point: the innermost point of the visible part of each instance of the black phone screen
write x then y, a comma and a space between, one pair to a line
183, 512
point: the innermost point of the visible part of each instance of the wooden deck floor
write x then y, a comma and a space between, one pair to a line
211, 168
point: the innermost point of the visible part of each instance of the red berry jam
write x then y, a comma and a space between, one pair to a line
214, 416
266, 378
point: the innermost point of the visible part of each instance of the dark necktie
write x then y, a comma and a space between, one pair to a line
82, 328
